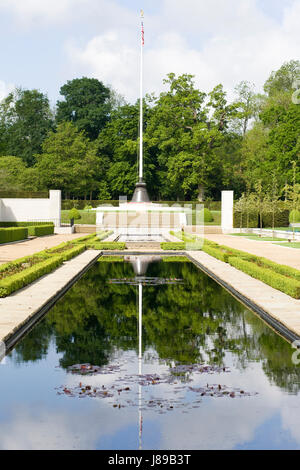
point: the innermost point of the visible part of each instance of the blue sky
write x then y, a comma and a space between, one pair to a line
45, 43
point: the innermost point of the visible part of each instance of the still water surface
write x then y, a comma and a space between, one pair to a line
247, 397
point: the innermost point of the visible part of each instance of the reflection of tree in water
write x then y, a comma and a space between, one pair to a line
188, 323
35, 345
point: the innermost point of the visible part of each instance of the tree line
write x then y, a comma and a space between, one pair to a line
195, 143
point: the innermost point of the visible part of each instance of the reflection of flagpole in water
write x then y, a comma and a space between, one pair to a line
140, 362
140, 264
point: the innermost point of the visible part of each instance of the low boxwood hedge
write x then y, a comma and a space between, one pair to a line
40, 230
107, 246
25, 277
172, 245
216, 252
285, 284
34, 266
13, 234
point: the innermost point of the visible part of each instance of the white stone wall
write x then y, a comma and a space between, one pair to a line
27, 210
227, 211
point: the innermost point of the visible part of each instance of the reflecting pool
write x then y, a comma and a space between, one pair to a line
149, 353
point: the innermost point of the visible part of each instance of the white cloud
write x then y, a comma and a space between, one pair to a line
34, 11
5, 89
215, 41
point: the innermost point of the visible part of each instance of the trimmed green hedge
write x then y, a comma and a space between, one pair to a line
44, 262
172, 245
40, 230
281, 219
13, 234
110, 259
107, 246
23, 224
175, 259
285, 284
253, 221
21, 279
216, 252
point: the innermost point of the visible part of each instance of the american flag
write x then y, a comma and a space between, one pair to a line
142, 33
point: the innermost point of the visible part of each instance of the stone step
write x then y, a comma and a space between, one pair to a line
85, 228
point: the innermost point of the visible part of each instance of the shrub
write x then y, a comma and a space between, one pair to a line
21, 279
113, 258
252, 219
107, 246
287, 285
34, 266
74, 214
294, 217
172, 245
216, 252
13, 234
40, 230
175, 259
281, 219
206, 215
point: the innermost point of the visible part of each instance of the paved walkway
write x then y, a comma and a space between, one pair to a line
274, 252
14, 251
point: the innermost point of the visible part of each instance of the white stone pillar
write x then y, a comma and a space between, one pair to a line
227, 211
55, 206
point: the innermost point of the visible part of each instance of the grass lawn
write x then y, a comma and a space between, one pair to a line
286, 229
87, 217
257, 237
290, 245
216, 215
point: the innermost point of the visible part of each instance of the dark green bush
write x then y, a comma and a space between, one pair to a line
253, 221
281, 219
13, 234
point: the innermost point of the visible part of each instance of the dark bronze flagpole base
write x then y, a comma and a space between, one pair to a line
140, 193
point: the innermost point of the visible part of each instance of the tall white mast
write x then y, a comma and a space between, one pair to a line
141, 100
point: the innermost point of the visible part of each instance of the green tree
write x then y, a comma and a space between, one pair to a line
25, 120
12, 171
247, 105
282, 80
68, 161
86, 104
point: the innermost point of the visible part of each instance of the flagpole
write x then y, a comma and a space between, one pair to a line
140, 193
141, 102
